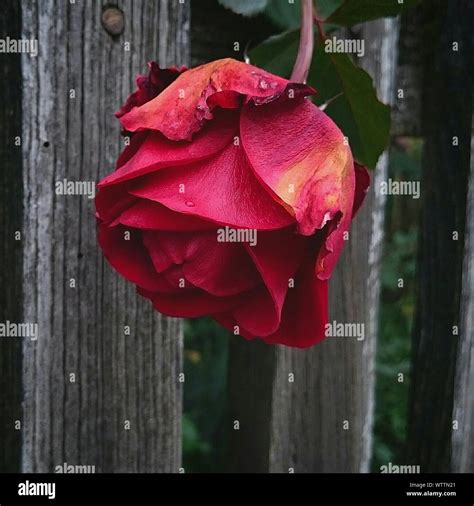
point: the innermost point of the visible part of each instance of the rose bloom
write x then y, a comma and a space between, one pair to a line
215, 151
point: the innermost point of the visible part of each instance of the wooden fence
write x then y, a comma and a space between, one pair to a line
101, 386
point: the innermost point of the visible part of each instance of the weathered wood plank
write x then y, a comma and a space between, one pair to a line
463, 413
84, 378
323, 421
406, 114
444, 183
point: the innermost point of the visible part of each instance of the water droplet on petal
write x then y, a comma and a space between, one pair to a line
189, 203
263, 85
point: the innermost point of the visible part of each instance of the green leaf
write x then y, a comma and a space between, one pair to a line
326, 7
357, 111
284, 14
277, 54
287, 16
245, 7
352, 12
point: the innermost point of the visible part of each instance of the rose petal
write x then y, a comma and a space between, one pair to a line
219, 268
305, 312
150, 86
332, 247
129, 257
222, 188
183, 107
111, 202
190, 304
277, 256
136, 140
258, 313
362, 184
146, 214
161, 260
157, 152
300, 154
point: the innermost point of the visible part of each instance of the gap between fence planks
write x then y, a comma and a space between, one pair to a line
10, 244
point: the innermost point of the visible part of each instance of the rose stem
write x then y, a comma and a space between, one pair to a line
305, 50
319, 23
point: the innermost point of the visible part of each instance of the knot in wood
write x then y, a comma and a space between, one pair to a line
113, 20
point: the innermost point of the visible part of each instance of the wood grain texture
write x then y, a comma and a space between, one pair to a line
444, 184
118, 377
10, 247
333, 381
323, 421
406, 113
463, 412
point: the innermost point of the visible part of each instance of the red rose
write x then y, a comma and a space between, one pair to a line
231, 200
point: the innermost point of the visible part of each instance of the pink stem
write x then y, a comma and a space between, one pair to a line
305, 51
